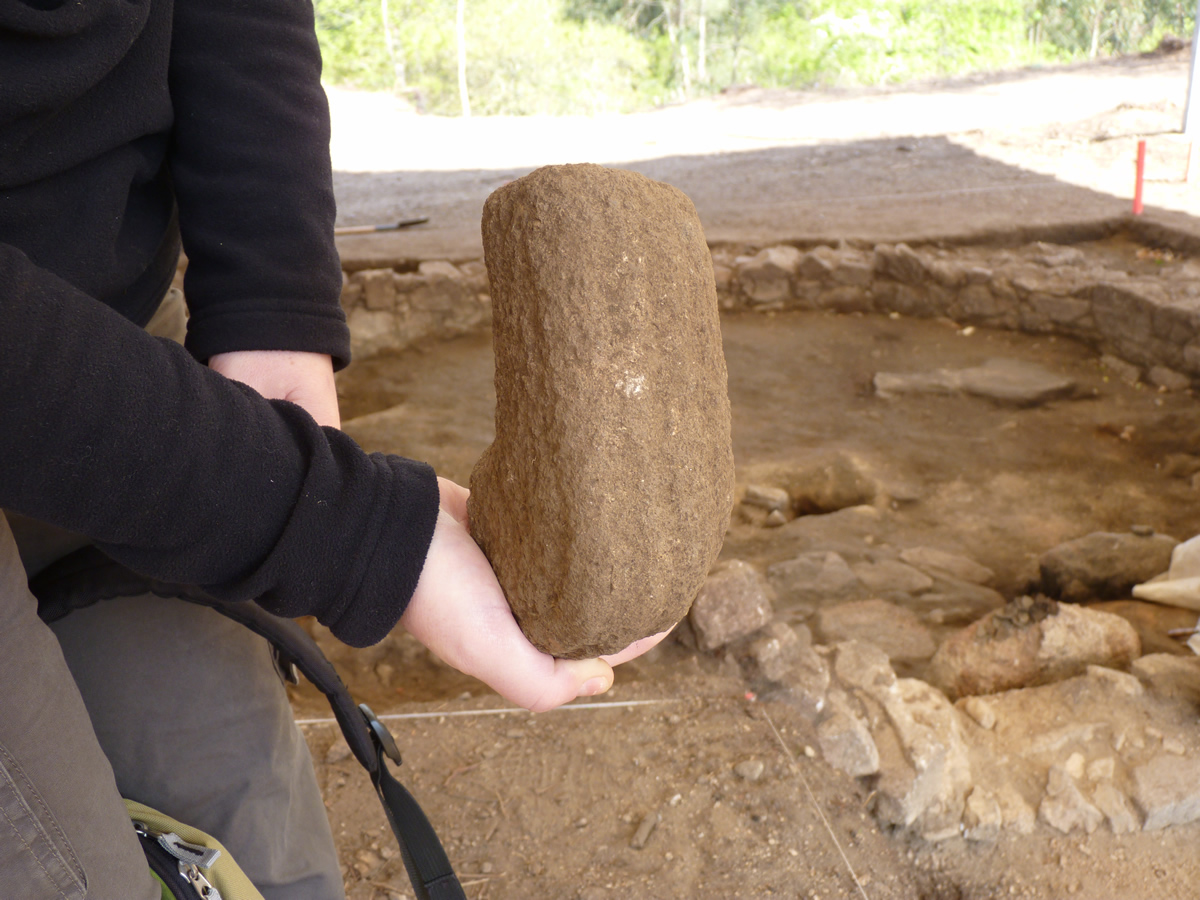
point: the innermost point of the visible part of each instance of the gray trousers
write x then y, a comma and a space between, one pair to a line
160, 701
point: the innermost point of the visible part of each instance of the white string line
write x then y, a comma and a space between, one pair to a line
816, 806
497, 712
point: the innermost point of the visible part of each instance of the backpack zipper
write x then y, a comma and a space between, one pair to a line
166, 848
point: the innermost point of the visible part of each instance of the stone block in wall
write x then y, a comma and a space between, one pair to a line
1066, 312
977, 302
948, 274
407, 282
845, 298
352, 294
1177, 321
766, 276
900, 263
920, 301
852, 267
805, 295
378, 286
474, 274
371, 331
817, 264
1123, 313
438, 268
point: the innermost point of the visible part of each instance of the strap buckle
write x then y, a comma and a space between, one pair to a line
379, 733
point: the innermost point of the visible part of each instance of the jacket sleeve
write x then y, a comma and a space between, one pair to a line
185, 476
251, 171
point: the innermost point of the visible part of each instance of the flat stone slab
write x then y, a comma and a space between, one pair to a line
1008, 382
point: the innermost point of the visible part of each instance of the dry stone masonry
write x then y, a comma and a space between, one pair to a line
1022, 713
604, 499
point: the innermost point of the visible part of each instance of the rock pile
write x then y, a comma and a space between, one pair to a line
1059, 722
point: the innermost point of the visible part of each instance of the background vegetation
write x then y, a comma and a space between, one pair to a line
588, 56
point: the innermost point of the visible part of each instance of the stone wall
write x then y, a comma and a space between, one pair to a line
1144, 310
391, 310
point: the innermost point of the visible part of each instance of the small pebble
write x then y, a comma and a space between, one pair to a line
1174, 745
1075, 765
750, 769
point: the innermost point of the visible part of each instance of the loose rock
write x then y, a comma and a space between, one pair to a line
780, 646
890, 575
893, 629
1004, 381
940, 563
750, 769
813, 578
1103, 565
846, 741
1031, 642
732, 603
1167, 791
605, 497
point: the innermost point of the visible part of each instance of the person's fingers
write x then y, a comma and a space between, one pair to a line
636, 649
453, 499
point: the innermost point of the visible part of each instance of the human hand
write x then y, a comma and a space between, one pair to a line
305, 379
459, 612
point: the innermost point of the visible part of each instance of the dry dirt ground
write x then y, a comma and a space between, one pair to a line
547, 806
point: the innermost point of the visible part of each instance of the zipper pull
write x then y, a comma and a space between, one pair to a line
192, 854
202, 885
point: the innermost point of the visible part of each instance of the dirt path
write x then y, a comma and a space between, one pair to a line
1028, 148
548, 806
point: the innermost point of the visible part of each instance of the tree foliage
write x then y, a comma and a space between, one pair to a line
589, 56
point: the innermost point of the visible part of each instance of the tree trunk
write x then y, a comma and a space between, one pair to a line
460, 39
399, 76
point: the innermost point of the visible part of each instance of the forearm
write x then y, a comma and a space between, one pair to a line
186, 476
251, 171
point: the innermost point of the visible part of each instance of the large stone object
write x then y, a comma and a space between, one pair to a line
605, 497
1031, 642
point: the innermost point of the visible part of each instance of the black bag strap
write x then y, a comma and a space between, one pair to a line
87, 577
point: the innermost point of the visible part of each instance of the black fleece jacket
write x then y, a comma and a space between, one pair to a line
124, 123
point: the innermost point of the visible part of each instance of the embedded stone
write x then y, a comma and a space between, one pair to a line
605, 497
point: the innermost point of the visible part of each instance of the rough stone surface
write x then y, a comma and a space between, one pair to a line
807, 682
1167, 791
765, 277
937, 563
766, 497
732, 603
845, 739
893, 629
982, 816
1122, 818
779, 646
813, 578
1169, 675
1103, 565
891, 575
1031, 642
1064, 807
826, 482
1006, 382
604, 499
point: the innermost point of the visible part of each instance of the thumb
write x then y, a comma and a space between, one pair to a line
539, 690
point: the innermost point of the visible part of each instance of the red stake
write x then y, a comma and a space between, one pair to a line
1141, 174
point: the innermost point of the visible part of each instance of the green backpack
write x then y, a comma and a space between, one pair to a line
189, 864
